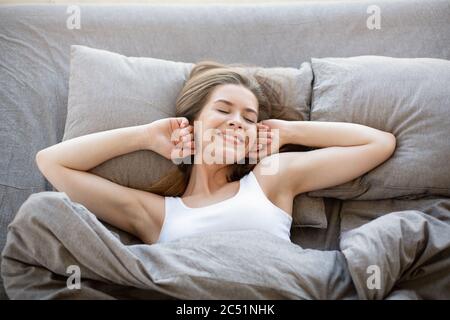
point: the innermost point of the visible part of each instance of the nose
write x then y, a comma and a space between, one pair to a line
234, 123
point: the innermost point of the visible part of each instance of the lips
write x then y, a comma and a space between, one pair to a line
236, 138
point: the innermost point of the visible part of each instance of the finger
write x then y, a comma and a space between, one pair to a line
260, 141
190, 129
189, 148
185, 131
177, 134
263, 129
265, 133
181, 152
270, 148
262, 124
187, 137
188, 144
268, 132
265, 140
184, 122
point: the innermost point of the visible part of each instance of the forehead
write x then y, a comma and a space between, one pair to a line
237, 95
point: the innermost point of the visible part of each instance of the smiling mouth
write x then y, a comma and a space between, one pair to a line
233, 139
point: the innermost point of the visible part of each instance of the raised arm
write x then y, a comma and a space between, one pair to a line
138, 212
348, 150
65, 165
88, 151
323, 134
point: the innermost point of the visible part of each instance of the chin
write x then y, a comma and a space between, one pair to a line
234, 157
231, 153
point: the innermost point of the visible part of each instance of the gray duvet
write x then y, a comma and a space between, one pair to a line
396, 256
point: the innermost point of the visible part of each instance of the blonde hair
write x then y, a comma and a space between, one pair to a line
203, 78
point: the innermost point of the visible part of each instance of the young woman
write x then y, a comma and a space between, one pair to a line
238, 116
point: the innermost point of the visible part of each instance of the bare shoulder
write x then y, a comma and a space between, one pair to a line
268, 173
272, 183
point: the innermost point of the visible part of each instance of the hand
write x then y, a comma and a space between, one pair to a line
270, 138
173, 138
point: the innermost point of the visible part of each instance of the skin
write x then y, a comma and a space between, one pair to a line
298, 173
233, 109
346, 152
208, 183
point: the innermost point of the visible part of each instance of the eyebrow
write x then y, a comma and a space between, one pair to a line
231, 104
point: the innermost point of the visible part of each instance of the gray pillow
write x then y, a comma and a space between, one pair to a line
108, 90
407, 97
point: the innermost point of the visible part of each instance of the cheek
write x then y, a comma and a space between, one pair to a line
206, 125
208, 133
211, 121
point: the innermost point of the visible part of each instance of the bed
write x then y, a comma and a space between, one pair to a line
337, 43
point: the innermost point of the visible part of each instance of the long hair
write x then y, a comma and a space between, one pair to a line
203, 78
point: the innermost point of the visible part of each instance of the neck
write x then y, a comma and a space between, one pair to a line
206, 179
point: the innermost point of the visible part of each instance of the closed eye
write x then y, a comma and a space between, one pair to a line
228, 112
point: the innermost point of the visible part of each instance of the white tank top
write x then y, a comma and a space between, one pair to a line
248, 209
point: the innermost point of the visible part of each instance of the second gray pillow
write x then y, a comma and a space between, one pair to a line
407, 97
